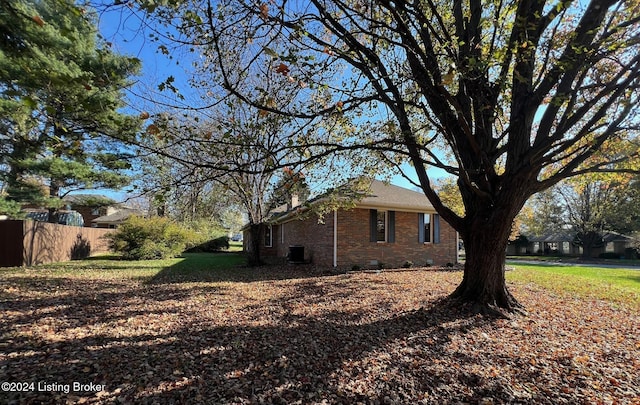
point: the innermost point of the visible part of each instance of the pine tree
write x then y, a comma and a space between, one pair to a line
60, 102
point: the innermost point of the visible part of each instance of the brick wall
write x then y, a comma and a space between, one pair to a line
315, 235
354, 247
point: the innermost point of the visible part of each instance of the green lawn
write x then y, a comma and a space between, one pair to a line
235, 246
195, 266
587, 282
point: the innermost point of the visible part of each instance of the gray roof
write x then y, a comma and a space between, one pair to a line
607, 236
380, 195
384, 195
616, 237
117, 217
552, 237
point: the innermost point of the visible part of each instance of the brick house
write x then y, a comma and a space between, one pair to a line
388, 227
100, 211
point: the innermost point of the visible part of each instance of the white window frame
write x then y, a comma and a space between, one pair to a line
428, 219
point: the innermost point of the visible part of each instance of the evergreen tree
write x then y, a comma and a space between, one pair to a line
59, 102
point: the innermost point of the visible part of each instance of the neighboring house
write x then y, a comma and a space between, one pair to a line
114, 219
94, 210
100, 211
388, 227
550, 243
562, 243
91, 206
617, 243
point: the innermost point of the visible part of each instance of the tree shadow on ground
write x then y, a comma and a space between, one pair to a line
83, 303
298, 358
308, 340
634, 277
231, 267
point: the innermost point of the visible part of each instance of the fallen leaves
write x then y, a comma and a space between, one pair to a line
288, 336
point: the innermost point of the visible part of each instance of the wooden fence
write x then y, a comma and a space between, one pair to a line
29, 243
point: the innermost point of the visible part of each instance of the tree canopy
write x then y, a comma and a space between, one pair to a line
508, 97
61, 91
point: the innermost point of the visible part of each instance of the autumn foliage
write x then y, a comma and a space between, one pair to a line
287, 336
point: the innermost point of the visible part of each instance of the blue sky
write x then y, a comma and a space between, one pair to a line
127, 35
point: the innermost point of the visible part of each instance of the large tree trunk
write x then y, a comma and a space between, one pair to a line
255, 237
483, 284
590, 241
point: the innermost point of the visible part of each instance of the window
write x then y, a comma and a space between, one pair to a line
268, 236
428, 228
381, 226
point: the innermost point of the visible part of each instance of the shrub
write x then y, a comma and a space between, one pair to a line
408, 264
609, 255
149, 238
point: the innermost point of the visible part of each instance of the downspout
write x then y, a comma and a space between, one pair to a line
335, 238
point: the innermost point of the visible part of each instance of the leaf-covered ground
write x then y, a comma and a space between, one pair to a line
285, 337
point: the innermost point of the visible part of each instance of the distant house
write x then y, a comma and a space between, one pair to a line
90, 210
563, 243
617, 243
114, 219
100, 211
549, 243
91, 206
389, 226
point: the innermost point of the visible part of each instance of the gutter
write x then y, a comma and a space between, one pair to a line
335, 238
